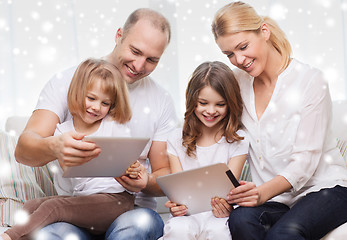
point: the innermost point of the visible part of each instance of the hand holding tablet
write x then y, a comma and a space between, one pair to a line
117, 154
195, 188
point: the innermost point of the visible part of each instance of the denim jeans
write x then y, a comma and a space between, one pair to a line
312, 217
62, 231
140, 223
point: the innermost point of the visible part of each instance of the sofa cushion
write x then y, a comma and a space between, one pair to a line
342, 145
18, 183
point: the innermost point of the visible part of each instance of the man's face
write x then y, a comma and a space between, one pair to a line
138, 53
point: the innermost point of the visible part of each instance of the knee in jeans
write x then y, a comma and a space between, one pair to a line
147, 219
238, 217
292, 230
140, 221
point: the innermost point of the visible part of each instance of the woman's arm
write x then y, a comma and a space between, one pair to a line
249, 195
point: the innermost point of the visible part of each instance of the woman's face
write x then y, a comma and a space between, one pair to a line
246, 50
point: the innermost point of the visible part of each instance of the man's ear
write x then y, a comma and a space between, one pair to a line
119, 35
265, 31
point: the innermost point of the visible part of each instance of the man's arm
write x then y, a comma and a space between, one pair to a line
159, 161
37, 146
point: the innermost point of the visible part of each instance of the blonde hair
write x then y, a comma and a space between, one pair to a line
219, 77
239, 17
86, 74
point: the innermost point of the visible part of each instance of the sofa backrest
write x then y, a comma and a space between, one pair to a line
339, 121
16, 124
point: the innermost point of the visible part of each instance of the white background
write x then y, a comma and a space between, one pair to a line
40, 38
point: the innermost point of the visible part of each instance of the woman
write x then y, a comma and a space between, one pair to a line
299, 188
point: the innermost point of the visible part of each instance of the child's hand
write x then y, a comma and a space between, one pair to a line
136, 178
135, 170
176, 209
220, 207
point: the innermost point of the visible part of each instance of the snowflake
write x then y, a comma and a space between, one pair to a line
5, 169
35, 15
53, 169
330, 22
47, 26
143, 220
146, 110
198, 58
278, 12
328, 159
21, 217
16, 51
72, 236
199, 185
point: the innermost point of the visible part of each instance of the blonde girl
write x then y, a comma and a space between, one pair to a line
211, 134
299, 177
98, 101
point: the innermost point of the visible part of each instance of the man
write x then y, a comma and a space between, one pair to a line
139, 46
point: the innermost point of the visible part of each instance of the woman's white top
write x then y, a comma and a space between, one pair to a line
293, 136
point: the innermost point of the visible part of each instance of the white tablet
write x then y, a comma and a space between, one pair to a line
117, 154
195, 188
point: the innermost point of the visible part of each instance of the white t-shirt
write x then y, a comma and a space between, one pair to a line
87, 186
220, 152
293, 136
152, 107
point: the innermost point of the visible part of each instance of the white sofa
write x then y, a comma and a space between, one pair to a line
15, 125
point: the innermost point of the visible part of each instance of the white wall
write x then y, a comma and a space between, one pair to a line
39, 38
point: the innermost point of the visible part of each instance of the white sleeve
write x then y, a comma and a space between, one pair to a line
174, 139
240, 147
311, 133
167, 119
53, 96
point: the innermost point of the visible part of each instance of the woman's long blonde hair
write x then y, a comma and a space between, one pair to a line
239, 17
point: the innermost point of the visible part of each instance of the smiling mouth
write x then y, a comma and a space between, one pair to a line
131, 71
249, 64
92, 114
210, 118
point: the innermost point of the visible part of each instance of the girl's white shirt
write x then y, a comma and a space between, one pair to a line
293, 137
87, 186
220, 152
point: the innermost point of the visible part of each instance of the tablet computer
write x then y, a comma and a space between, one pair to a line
195, 188
117, 154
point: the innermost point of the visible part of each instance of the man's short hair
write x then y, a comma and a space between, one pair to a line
156, 19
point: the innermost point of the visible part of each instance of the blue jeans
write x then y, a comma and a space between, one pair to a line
312, 217
61, 231
140, 223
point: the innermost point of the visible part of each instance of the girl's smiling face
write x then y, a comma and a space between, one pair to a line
211, 107
98, 103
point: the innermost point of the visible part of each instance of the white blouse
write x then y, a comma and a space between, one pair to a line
293, 136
